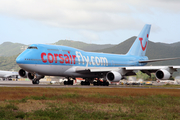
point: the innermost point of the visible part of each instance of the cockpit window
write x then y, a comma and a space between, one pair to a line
32, 47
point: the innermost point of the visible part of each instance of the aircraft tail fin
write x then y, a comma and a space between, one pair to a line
140, 44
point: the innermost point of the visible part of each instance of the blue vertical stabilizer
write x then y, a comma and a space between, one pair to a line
140, 44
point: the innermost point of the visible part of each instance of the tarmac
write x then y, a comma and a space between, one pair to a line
46, 84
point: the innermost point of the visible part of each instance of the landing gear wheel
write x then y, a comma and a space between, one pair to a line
88, 83
35, 81
98, 83
82, 83
107, 83
69, 82
85, 83
65, 82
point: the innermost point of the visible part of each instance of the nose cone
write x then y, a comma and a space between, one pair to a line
20, 59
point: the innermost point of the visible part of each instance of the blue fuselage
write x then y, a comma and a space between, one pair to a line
41, 54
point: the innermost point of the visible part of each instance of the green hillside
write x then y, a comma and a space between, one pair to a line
9, 63
121, 48
162, 50
10, 49
154, 51
82, 45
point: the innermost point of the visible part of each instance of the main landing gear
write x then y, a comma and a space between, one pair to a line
99, 83
88, 81
69, 82
85, 83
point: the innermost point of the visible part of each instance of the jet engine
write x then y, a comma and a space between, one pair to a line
22, 73
113, 76
36, 76
163, 74
30, 76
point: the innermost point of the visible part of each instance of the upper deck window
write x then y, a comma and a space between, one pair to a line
53, 49
32, 47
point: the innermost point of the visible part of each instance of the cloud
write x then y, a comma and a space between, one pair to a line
164, 5
91, 36
98, 15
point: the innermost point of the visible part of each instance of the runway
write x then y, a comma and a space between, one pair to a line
46, 84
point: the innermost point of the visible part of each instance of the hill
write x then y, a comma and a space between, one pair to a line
82, 45
10, 49
9, 63
154, 51
121, 48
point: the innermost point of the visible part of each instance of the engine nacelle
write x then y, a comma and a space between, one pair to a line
113, 76
30, 76
22, 73
163, 74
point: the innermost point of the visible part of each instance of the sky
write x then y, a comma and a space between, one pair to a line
89, 21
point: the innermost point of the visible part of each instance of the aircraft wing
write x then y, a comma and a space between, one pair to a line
156, 60
107, 69
151, 67
164, 71
96, 69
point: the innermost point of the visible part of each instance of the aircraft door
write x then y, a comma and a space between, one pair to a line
61, 57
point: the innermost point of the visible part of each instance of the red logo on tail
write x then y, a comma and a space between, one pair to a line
143, 47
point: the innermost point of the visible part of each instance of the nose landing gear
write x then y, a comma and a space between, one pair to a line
35, 81
100, 82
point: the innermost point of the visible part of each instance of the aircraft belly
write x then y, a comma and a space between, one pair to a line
53, 70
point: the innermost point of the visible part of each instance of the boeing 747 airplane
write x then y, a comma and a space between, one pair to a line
40, 60
6, 75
